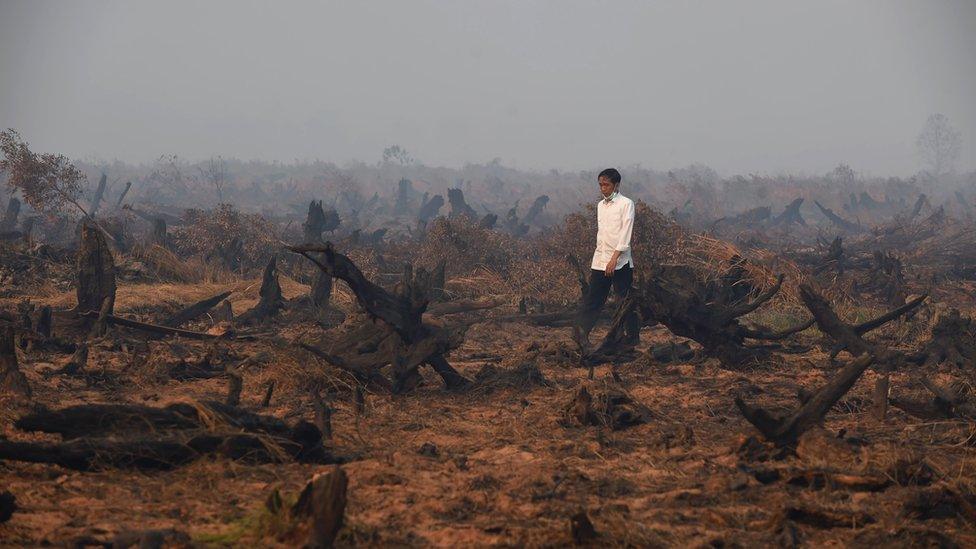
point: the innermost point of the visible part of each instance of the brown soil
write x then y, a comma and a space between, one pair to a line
504, 466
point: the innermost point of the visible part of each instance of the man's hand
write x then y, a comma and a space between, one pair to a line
612, 265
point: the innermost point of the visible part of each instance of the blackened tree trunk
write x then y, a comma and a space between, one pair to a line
96, 270
12, 380
322, 290
314, 223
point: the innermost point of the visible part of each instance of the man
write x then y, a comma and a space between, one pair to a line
612, 263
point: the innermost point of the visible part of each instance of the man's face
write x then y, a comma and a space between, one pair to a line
606, 186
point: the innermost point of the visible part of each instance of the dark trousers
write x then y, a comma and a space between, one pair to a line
599, 290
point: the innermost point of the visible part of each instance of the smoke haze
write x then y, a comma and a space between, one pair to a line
756, 86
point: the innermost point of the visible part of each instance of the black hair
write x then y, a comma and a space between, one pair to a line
612, 174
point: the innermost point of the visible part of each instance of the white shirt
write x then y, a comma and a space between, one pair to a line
615, 225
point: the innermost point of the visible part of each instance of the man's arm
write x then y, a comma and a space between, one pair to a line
623, 245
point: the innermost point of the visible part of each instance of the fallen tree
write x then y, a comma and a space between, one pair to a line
401, 338
708, 312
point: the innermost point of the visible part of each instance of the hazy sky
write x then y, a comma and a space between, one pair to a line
743, 86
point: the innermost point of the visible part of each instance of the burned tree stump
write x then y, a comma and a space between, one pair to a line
8, 504
321, 292
834, 259
607, 406
885, 278
787, 430
430, 208
96, 270
438, 279
953, 341
459, 207
401, 338
535, 209
488, 221
44, 322
159, 235
790, 216
12, 380
708, 312
76, 364
320, 509
314, 222
270, 293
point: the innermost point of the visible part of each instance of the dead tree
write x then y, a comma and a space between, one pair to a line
96, 270
790, 216
707, 312
786, 430
458, 206
400, 338
12, 380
